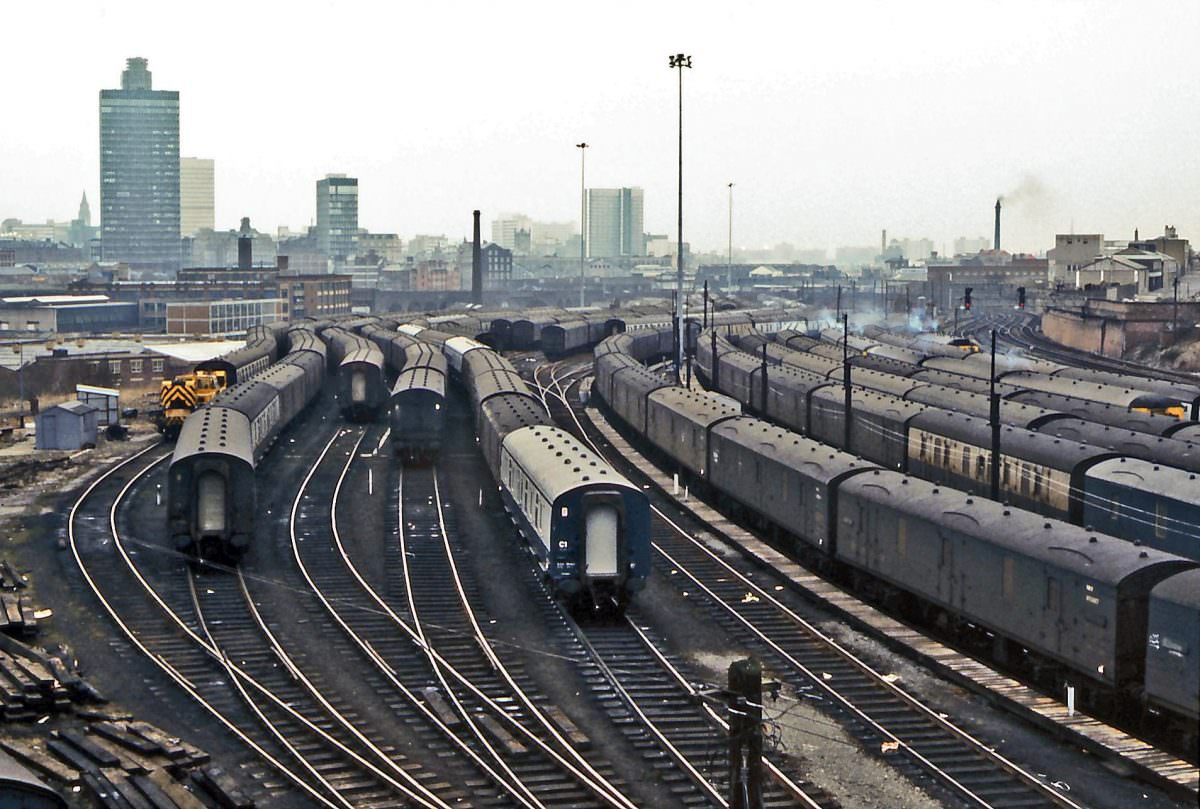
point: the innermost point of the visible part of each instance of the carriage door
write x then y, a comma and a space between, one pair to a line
601, 541
949, 588
358, 387
210, 514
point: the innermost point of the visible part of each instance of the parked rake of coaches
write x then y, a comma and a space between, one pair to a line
1070, 605
1130, 484
588, 527
211, 491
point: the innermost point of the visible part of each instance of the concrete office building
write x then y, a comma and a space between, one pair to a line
614, 222
139, 172
196, 208
337, 218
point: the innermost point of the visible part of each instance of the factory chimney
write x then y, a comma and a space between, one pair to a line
996, 244
883, 243
245, 245
476, 265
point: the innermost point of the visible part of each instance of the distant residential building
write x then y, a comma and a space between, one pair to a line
48, 231
994, 268
221, 317
553, 239
1072, 251
1168, 244
337, 218
424, 246
849, 258
911, 249
196, 195
40, 254
965, 246
435, 275
139, 172
317, 296
496, 261
374, 248
615, 224
505, 227
209, 248
1145, 271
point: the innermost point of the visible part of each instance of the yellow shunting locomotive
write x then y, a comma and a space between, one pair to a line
180, 396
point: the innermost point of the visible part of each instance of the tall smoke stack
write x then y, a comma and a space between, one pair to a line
883, 243
476, 264
996, 243
245, 246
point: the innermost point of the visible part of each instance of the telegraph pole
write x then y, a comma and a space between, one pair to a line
764, 378
716, 361
994, 413
745, 734
846, 378
706, 303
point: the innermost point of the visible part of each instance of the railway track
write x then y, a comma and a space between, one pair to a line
675, 716
656, 692
423, 632
1021, 331
920, 742
106, 558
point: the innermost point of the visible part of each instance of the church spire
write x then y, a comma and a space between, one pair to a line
85, 212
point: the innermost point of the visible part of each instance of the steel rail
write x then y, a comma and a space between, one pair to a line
980, 748
158, 660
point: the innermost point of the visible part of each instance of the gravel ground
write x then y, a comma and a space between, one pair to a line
33, 527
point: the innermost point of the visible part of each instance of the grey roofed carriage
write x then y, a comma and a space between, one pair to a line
879, 423
782, 475
1106, 413
500, 415
1145, 502
1166, 450
678, 420
1072, 594
418, 402
1173, 644
211, 487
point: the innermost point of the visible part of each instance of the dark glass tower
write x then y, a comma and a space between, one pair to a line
139, 172
337, 218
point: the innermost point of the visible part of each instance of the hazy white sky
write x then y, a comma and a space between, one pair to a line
833, 119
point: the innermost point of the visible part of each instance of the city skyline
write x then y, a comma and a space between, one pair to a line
913, 120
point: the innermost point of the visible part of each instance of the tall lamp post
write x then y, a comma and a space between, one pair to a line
729, 262
678, 62
582, 147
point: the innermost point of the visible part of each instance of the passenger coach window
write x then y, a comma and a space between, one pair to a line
1160, 520
902, 538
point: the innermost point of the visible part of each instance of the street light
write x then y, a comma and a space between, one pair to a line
582, 147
678, 62
729, 265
